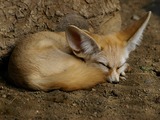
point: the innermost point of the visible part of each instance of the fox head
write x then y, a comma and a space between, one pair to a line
107, 52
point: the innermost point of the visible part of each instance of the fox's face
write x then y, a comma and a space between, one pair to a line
112, 57
107, 52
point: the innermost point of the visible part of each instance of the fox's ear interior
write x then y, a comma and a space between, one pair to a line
80, 42
133, 34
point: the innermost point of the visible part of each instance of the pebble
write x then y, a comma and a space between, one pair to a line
37, 111
93, 89
135, 17
74, 104
4, 95
58, 13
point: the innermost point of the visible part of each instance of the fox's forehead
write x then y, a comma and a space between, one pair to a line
111, 40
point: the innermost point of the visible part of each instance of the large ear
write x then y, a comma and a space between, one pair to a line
133, 34
80, 41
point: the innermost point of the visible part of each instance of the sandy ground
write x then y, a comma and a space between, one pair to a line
136, 98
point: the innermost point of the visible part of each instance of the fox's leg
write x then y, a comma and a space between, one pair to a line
122, 71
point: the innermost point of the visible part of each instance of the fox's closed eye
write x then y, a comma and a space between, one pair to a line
120, 66
107, 66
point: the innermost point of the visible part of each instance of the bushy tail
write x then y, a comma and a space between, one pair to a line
71, 79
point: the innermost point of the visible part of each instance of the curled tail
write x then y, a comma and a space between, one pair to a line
71, 79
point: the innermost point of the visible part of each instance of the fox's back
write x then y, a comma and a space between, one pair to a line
41, 54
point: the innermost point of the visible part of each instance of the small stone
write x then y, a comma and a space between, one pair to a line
93, 89
37, 111
58, 13
4, 95
135, 17
74, 104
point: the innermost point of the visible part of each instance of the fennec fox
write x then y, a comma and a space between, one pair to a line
74, 59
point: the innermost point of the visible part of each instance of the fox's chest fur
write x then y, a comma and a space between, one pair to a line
74, 59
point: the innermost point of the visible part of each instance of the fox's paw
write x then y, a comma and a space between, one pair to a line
122, 70
123, 76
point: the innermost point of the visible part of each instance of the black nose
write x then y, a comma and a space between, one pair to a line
115, 82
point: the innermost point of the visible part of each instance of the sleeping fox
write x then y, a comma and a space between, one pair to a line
74, 59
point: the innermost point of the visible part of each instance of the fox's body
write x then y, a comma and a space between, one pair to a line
48, 63
71, 60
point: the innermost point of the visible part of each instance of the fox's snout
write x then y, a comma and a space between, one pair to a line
113, 77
